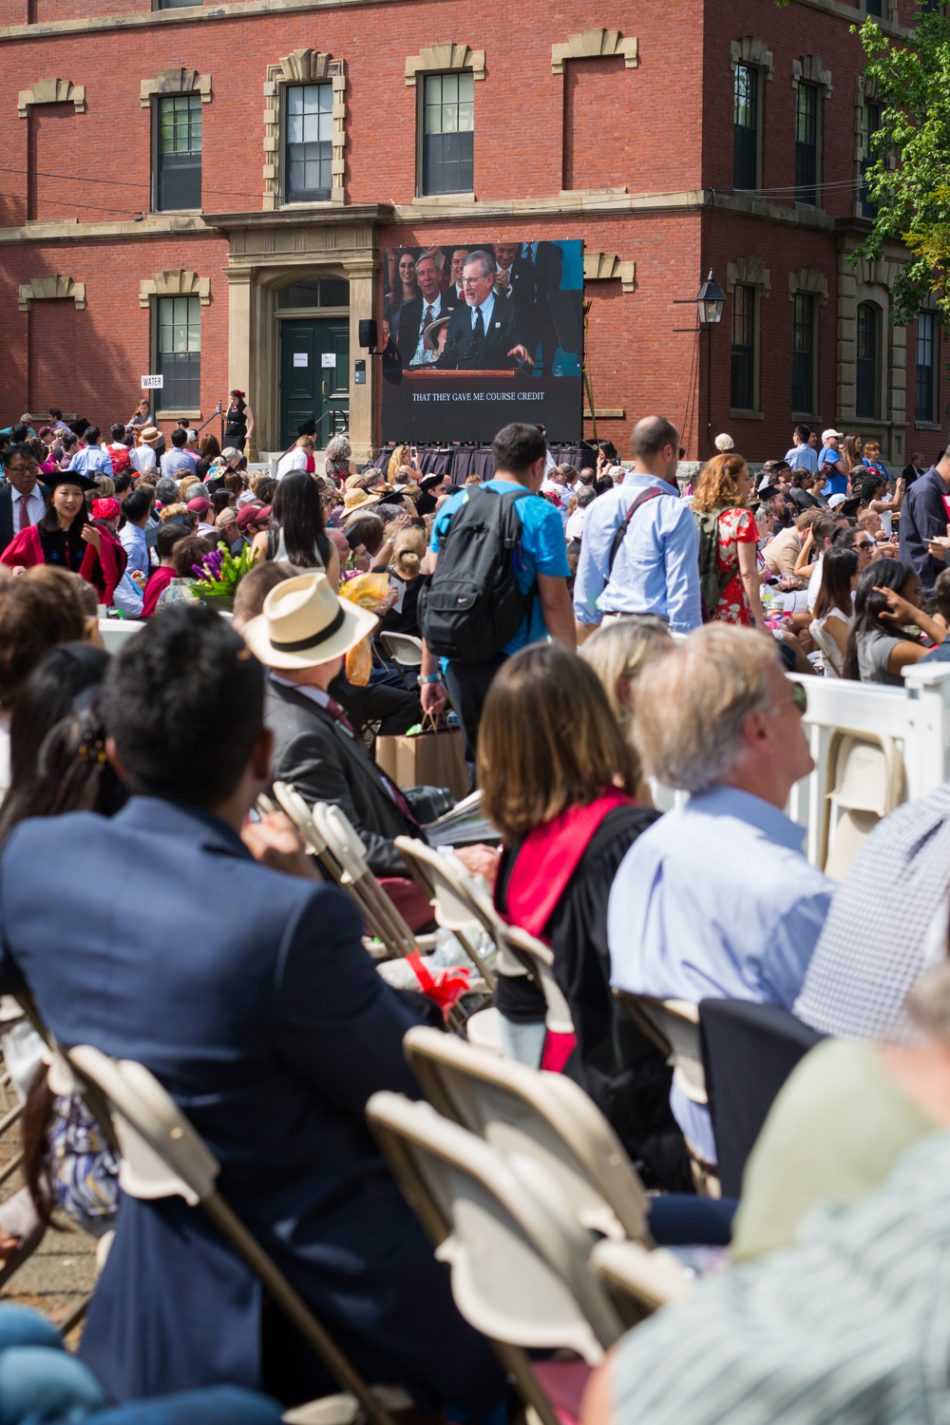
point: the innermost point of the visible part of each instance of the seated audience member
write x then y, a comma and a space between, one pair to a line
297, 534
254, 588
565, 809
618, 655
781, 552
716, 898
888, 599
264, 1018
808, 1336
843, 1118
405, 572
941, 654
36, 614
187, 557
861, 971
834, 608
168, 536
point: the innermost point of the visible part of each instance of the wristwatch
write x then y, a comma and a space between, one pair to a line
424, 678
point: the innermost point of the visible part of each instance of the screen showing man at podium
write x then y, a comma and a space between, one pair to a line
481, 334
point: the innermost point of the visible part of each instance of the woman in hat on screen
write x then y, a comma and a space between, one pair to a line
65, 538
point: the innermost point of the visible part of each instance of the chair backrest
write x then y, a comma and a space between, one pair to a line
865, 782
537, 1115
518, 1256
441, 881
673, 1026
749, 1051
402, 648
162, 1155
639, 1282
540, 958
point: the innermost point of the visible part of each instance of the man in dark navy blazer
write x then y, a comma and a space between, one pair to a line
247, 992
483, 334
412, 318
23, 499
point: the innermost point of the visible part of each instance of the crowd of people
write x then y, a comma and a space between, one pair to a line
595, 632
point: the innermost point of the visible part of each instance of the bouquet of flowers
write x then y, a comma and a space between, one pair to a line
220, 572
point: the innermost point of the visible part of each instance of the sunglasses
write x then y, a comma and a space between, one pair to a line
797, 696
862, 544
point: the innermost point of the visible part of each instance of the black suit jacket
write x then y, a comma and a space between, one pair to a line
6, 513
406, 323
317, 756
501, 335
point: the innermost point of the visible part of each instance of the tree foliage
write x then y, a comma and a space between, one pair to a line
909, 174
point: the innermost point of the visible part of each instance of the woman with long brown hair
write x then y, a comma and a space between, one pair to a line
558, 782
721, 507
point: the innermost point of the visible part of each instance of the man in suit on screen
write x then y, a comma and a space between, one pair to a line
483, 335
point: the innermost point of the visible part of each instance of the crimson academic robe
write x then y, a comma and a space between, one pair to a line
103, 569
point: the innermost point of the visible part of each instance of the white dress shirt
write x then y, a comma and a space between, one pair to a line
35, 508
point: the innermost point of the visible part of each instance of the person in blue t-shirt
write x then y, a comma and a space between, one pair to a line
519, 453
832, 464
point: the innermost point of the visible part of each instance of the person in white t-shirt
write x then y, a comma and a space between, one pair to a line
300, 454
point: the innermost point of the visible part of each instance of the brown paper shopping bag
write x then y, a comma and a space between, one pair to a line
434, 757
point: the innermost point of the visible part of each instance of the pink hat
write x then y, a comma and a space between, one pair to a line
199, 505
106, 509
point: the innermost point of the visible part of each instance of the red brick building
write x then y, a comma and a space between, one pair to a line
181, 182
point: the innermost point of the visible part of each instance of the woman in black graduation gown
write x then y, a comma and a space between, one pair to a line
558, 781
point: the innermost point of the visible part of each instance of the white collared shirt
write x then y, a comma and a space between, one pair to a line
35, 507
486, 308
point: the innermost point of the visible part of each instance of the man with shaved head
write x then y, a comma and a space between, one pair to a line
640, 553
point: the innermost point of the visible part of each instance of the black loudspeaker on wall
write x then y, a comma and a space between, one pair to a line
367, 332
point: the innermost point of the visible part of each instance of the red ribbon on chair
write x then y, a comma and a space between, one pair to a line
446, 988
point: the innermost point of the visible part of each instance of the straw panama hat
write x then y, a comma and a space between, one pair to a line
304, 624
356, 500
150, 435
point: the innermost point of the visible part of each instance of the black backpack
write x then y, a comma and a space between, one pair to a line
473, 604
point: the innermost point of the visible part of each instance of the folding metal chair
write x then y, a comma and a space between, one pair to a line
545, 1117
450, 910
163, 1156
402, 649
519, 1259
639, 1282
865, 783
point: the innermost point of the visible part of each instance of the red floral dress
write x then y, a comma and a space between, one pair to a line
736, 526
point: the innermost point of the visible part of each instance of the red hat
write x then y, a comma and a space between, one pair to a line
106, 509
199, 505
253, 514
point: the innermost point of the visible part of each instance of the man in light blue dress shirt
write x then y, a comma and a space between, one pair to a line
716, 899
656, 568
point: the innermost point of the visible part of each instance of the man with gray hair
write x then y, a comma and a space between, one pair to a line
483, 334
716, 899
641, 544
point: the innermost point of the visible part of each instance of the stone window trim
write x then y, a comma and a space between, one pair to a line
180, 283
52, 288
872, 281
52, 91
809, 280
810, 70
608, 267
175, 81
303, 66
596, 44
442, 58
750, 272
865, 92
752, 50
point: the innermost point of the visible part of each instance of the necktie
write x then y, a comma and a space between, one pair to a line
427, 317
337, 712
23, 518
478, 331
392, 791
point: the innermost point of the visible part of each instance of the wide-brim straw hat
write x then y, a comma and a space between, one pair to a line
150, 435
304, 624
356, 500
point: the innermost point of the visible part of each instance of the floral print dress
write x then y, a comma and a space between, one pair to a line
736, 526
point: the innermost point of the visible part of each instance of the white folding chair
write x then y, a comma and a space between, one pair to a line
865, 783
533, 1114
163, 1156
519, 1259
450, 910
639, 1282
402, 649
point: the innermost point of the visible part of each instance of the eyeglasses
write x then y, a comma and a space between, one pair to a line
797, 696
863, 544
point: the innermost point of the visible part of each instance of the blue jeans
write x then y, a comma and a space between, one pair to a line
40, 1384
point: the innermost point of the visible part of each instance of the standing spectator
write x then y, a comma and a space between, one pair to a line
540, 567
924, 517
720, 506
238, 422
872, 458
914, 468
165, 541
644, 560
141, 416
832, 464
23, 499
179, 460
118, 450
300, 455
802, 455
339, 465
66, 539
716, 898
144, 455
90, 458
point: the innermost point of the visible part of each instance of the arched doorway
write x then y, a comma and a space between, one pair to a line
313, 345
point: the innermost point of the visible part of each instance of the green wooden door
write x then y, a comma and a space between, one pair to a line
314, 376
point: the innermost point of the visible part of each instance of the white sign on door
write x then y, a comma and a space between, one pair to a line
153, 383
301, 358
328, 358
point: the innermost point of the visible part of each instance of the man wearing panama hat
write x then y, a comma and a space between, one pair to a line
302, 637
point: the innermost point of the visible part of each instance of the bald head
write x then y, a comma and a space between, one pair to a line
655, 445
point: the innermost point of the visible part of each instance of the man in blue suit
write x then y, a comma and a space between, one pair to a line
157, 936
